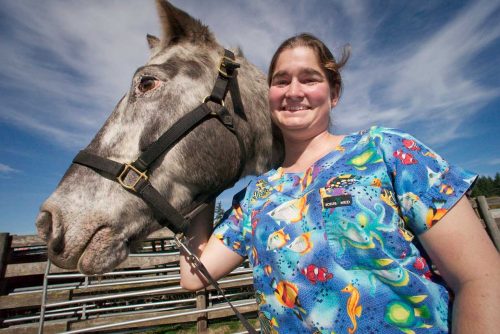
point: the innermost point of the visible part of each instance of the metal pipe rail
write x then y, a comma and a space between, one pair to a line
138, 293
153, 254
74, 315
108, 282
135, 272
155, 279
145, 307
73, 286
167, 316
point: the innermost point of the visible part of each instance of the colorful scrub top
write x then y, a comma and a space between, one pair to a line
331, 248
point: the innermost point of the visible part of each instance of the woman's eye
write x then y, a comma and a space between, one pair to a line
147, 83
280, 83
310, 81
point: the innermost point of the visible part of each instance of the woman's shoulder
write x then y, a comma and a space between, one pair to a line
386, 136
376, 131
383, 131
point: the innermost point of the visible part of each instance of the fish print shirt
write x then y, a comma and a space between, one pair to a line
332, 248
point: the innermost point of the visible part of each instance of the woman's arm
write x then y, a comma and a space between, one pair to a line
468, 261
217, 258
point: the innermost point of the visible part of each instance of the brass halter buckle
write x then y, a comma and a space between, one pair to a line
209, 98
123, 175
222, 66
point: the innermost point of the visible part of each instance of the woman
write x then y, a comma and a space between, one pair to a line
330, 233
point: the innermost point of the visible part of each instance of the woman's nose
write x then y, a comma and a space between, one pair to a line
294, 90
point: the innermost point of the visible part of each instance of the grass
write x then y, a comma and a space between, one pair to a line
225, 325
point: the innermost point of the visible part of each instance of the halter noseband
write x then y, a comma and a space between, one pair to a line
133, 176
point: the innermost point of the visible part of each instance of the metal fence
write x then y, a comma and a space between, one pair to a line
128, 299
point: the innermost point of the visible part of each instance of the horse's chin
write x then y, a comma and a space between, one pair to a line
103, 253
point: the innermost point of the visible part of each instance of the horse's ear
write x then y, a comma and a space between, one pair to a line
239, 52
153, 41
154, 44
178, 25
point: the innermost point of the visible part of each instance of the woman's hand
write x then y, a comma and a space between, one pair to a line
215, 256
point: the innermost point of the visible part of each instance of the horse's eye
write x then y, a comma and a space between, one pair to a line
147, 83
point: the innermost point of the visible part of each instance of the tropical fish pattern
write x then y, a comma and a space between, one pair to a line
332, 248
315, 273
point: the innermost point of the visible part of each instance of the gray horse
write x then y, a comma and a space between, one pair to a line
90, 222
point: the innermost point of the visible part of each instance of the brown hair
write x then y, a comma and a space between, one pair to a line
325, 58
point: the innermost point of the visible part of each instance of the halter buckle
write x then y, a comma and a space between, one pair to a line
123, 175
224, 62
209, 98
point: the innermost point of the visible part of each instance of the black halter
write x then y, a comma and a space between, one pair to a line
134, 176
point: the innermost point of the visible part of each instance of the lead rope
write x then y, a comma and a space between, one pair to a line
193, 259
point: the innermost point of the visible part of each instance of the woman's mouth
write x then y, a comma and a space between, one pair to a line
295, 108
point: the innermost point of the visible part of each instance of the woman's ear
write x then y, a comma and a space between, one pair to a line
334, 102
334, 99
334, 96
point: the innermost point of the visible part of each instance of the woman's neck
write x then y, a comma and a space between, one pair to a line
300, 154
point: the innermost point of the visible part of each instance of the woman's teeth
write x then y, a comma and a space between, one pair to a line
295, 108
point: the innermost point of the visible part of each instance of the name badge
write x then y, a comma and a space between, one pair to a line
336, 201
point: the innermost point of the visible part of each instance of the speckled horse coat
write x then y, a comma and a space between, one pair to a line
90, 222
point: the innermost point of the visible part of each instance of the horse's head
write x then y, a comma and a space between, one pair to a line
89, 222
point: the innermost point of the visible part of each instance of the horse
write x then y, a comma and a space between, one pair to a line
90, 222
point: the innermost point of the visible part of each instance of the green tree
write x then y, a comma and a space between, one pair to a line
486, 186
496, 184
218, 213
489, 187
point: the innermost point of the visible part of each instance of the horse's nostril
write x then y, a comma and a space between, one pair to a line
44, 225
50, 229
56, 245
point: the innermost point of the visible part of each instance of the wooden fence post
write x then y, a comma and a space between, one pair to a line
4, 251
201, 303
491, 225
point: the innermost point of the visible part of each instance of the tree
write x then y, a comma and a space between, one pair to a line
218, 213
486, 186
496, 184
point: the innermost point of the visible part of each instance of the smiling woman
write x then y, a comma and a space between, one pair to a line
300, 95
332, 233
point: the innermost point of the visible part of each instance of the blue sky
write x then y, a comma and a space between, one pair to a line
430, 68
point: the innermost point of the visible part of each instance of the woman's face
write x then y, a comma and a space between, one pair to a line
300, 96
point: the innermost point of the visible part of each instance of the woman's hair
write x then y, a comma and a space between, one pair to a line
325, 58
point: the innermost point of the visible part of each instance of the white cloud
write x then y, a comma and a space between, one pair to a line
494, 161
5, 169
70, 62
76, 58
429, 81
64, 135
